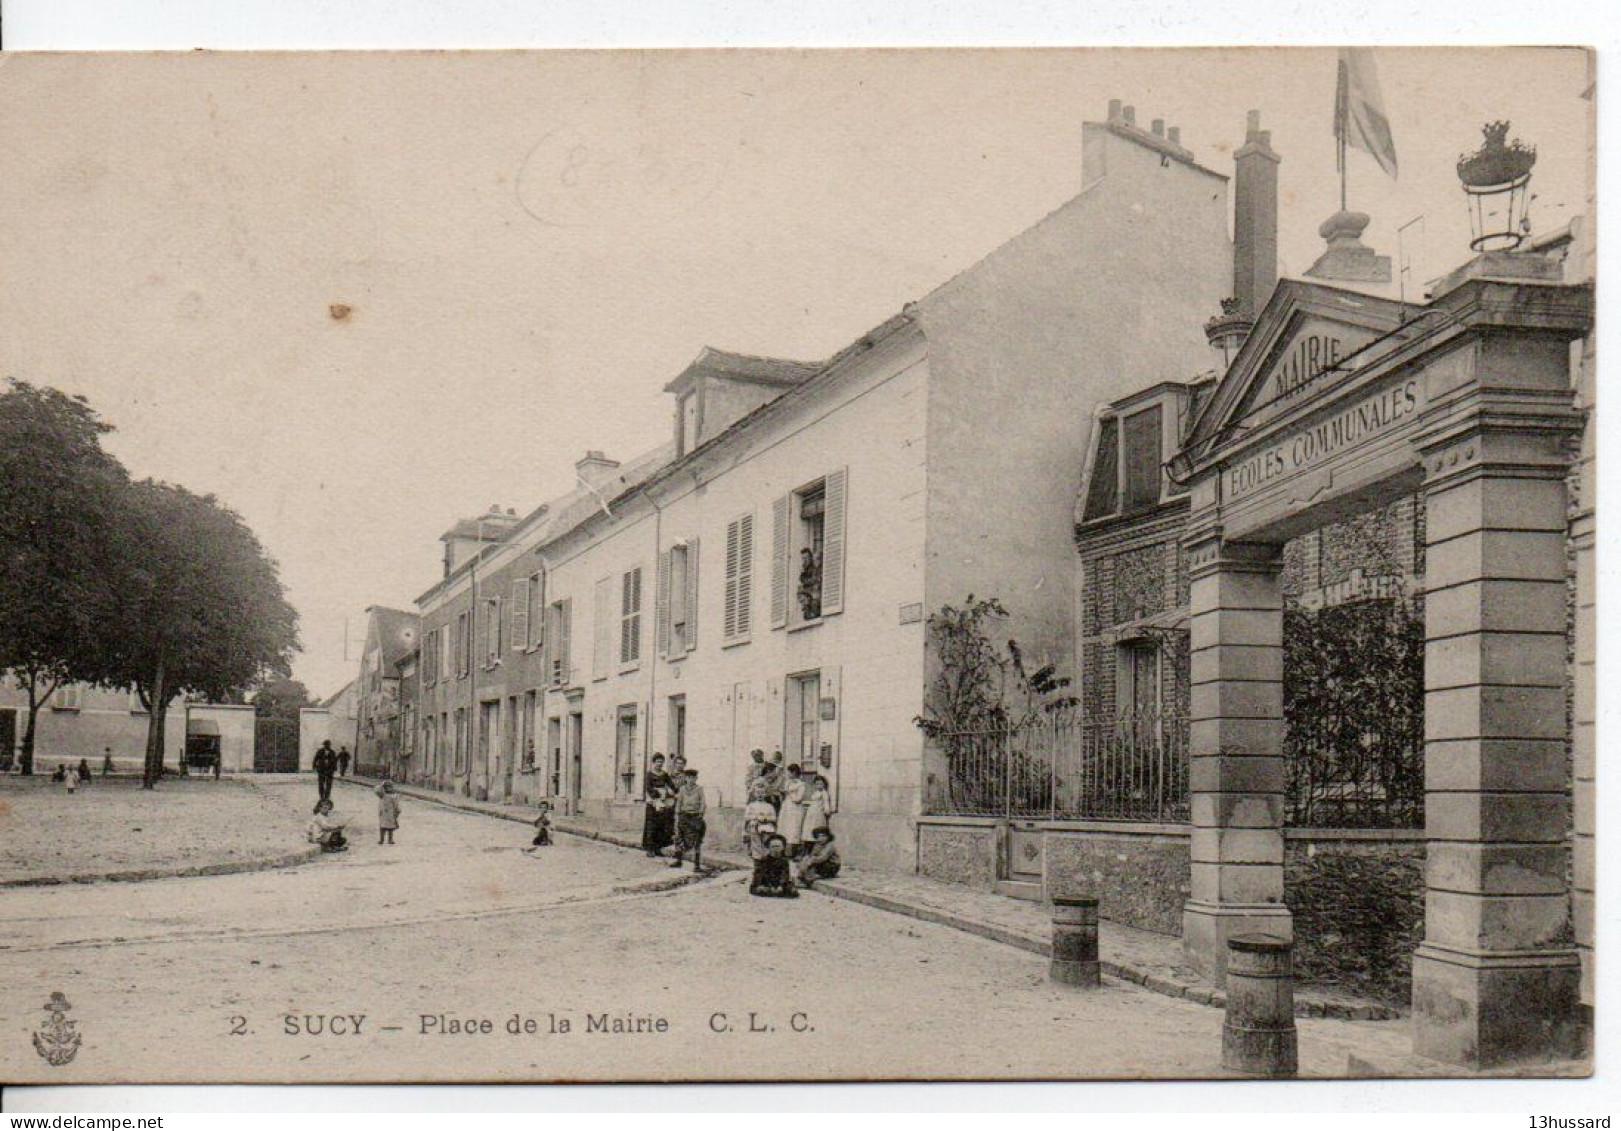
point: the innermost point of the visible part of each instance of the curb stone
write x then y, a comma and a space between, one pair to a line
227, 868
1154, 983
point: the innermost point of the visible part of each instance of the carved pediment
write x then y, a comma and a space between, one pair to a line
1307, 341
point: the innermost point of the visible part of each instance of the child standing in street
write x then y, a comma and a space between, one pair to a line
756, 813
818, 809
388, 812
689, 821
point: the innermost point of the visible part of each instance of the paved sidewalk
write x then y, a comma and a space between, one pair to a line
1141, 957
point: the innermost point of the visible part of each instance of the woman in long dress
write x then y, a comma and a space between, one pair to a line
658, 823
791, 818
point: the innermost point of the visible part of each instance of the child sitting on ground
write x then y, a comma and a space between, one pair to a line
821, 861
388, 812
543, 828
326, 829
771, 874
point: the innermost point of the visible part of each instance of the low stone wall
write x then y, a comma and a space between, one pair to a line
1141, 876
1357, 897
959, 850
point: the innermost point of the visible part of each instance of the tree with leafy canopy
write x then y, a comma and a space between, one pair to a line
60, 497
204, 610
281, 698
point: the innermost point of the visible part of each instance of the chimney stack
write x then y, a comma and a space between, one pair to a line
595, 468
1255, 219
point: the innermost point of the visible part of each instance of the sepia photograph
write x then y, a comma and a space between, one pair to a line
782, 565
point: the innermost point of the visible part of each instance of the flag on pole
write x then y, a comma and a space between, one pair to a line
1359, 111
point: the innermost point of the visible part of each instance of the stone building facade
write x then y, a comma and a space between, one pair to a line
764, 580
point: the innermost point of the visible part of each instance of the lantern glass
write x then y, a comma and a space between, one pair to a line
1498, 214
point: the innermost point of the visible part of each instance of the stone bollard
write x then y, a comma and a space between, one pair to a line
1258, 1036
1075, 941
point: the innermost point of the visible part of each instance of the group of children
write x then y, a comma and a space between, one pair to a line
326, 827
72, 776
784, 804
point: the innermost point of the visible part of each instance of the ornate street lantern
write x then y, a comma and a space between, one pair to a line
1495, 179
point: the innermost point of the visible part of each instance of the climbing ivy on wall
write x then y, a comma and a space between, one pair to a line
1353, 705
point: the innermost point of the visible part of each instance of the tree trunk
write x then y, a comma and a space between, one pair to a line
157, 708
27, 760
35, 702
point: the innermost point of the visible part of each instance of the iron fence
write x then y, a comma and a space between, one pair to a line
1133, 768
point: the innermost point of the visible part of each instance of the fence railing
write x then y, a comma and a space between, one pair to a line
1133, 768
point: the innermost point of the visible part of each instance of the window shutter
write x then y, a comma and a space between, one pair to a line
833, 542
537, 602
728, 616
563, 628
745, 576
690, 637
664, 610
602, 622
779, 561
520, 614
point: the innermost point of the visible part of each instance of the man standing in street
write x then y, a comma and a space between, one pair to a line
343, 761
325, 764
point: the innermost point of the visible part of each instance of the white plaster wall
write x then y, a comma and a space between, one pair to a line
1103, 297
873, 425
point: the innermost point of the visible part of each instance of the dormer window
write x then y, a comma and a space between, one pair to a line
1133, 439
687, 418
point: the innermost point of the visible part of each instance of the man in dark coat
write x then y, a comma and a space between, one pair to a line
343, 761
325, 764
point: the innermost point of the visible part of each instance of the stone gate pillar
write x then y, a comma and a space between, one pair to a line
1496, 977
1236, 770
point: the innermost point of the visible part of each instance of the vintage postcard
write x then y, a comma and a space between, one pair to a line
797, 565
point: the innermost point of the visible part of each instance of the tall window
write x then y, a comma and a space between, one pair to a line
557, 636
738, 612
530, 738
492, 632
678, 600
461, 740
812, 532
630, 616
808, 536
1141, 457
625, 752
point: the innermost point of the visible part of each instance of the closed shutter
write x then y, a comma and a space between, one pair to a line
690, 637
602, 628
837, 494
537, 602
779, 561
728, 602
520, 614
630, 625
565, 615
663, 611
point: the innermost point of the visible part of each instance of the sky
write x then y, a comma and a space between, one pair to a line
526, 246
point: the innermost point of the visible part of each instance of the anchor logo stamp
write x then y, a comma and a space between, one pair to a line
57, 1040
